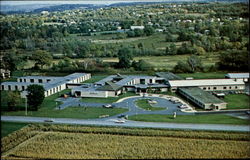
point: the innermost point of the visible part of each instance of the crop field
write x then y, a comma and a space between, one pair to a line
81, 142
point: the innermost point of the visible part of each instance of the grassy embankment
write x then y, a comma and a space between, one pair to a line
9, 127
143, 103
48, 110
200, 119
79, 142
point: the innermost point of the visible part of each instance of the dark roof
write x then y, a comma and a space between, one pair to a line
168, 76
109, 86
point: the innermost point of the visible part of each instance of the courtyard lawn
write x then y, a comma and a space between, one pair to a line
95, 78
143, 103
9, 127
109, 99
203, 119
237, 101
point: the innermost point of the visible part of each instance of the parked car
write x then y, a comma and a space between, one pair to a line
107, 106
48, 120
183, 106
152, 101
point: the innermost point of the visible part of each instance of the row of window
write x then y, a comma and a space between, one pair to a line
33, 80
214, 88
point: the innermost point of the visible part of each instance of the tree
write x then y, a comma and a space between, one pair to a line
35, 96
42, 58
13, 100
125, 58
142, 65
148, 30
195, 63
171, 49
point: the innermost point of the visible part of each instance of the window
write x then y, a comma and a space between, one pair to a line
24, 80
224, 87
32, 80
9, 87
40, 81
215, 88
150, 81
204, 88
2, 87
230, 87
48, 80
208, 88
16, 88
236, 87
23, 88
21, 80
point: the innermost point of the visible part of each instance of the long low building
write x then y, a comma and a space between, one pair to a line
244, 76
209, 84
201, 98
114, 85
51, 85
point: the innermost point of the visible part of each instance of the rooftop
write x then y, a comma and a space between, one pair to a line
204, 82
237, 75
200, 95
168, 75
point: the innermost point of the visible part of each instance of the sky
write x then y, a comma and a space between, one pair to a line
19, 2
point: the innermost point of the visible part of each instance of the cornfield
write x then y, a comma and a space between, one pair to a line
81, 142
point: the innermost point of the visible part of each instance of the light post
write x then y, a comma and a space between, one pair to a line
26, 108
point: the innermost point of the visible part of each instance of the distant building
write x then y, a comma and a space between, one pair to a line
209, 84
201, 98
5, 73
45, 12
51, 85
243, 76
136, 27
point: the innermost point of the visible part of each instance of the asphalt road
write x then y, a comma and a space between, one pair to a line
128, 123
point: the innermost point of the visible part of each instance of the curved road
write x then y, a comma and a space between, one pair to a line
128, 123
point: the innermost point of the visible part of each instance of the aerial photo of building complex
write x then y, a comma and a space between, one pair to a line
125, 79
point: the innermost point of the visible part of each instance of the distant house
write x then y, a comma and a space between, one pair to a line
159, 30
5, 73
136, 27
45, 12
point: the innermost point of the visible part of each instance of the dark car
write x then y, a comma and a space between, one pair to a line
123, 116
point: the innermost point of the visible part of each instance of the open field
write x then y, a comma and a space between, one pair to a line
237, 101
203, 119
143, 103
79, 142
9, 127
109, 99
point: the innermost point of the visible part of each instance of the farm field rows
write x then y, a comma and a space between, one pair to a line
80, 142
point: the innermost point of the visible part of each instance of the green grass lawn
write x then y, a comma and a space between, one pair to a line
203, 119
109, 99
49, 103
203, 75
237, 101
9, 127
143, 103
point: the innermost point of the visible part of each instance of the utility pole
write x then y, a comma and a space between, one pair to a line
26, 108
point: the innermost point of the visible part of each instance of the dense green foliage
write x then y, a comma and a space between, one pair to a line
35, 96
186, 28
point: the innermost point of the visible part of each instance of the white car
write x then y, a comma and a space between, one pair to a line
107, 106
120, 121
152, 101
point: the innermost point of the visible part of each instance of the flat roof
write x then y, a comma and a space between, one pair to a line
200, 95
237, 75
168, 76
205, 82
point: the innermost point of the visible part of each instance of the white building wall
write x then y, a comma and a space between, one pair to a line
111, 93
